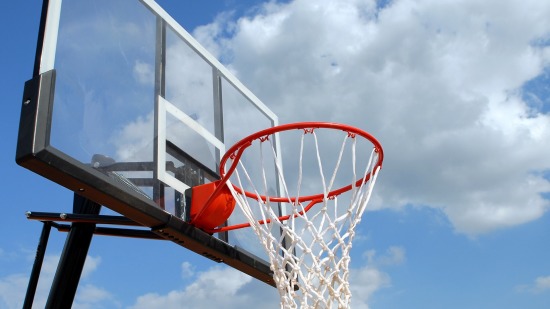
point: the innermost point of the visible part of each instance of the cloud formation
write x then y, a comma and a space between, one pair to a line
540, 285
228, 288
216, 287
439, 84
14, 286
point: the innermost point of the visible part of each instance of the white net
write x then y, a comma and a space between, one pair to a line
309, 252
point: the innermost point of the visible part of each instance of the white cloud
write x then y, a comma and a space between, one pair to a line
144, 72
438, 83
217, 287
394, 255
91, 296
13, 287
91, 264
227, 287
364, 283
11, 290
369, 279
135, 140
187, 270
540, 285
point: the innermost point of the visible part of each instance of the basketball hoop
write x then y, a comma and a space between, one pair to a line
308, 250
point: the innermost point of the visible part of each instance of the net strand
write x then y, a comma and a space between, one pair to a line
309, 255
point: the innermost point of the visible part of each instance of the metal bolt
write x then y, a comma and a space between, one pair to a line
63, 216
27, 101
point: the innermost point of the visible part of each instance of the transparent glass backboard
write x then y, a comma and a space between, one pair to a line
139, 100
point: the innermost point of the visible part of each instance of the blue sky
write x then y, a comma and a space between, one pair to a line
458, 94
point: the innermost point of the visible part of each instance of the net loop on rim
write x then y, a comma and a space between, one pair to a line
308, 250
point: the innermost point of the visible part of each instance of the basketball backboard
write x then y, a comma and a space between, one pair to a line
127, 109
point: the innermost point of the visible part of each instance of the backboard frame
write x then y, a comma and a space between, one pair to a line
35, 152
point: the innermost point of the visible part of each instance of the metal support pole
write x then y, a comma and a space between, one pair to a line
73, 256
37, 266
